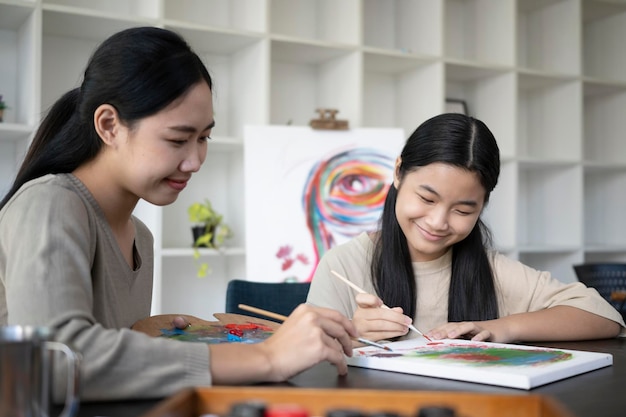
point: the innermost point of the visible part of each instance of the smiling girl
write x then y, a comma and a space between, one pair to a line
431, 258
74, 258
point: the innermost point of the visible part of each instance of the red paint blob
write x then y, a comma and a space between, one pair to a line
247, 326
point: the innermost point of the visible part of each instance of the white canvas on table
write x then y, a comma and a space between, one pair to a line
307, 190
509, 365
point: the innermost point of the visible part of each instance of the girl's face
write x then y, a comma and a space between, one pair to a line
437, 205
161, 152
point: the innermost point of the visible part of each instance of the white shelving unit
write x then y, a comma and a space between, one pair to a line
547, 76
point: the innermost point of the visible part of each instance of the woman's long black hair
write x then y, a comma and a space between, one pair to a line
139, 71
464, 142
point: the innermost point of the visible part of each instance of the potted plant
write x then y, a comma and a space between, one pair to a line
3, 106
208, 230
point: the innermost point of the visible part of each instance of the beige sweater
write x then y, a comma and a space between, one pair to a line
519, 288
60, 266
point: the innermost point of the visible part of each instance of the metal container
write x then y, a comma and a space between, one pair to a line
25, 372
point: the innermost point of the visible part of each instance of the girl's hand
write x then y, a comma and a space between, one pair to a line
309, 336
461, 330
479, 331
558, 323
376, 323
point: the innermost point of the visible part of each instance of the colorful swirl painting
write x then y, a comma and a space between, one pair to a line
310, 190
344, 195
509, 365
480, 354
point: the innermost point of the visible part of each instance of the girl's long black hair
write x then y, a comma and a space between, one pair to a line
461, 141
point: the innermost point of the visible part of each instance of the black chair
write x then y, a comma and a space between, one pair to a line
609, 279
277, 297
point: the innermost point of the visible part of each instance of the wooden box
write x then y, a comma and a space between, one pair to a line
218, 400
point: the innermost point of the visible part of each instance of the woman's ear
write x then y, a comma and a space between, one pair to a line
396, 172
107, 123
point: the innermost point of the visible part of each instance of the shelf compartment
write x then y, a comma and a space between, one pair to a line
502, 208
602, 255
18, 35
559, 263
604, 110
135, 9
548, 109
548, 36
305, 52
225, 144
409, 26
307, 76
490, 96
480, 31
394, 86
68, 42
85, 24
220, 175
14, 16
604, 207
242, 15
183, 291
216, 41
15, 151
323, 20
69, 38
11, 132
603, 34
239, 96
550, 205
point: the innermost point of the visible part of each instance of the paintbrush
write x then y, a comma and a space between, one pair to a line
360, 290
280, 317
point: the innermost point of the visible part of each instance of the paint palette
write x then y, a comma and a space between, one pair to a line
221, 333
515, 366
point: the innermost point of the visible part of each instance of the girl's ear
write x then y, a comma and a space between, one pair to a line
107, 123
396, 172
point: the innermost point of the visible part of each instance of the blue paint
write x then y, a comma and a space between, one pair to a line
233, 338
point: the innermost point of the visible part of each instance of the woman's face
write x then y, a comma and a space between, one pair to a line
437, 205
162, 151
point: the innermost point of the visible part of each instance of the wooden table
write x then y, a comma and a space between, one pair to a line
600, 393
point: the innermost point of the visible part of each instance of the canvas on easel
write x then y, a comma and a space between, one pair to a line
509, 365
308, 190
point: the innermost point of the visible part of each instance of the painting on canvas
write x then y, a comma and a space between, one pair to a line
516, 366
308, 190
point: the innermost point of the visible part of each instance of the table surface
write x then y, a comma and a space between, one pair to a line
599, 393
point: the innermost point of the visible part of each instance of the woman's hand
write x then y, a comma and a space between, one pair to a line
181, 322
376, 323
310, 335
152, 325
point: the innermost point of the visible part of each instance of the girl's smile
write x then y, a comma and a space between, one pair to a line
437, 206
428, 235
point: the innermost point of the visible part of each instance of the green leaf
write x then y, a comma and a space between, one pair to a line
203, 270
